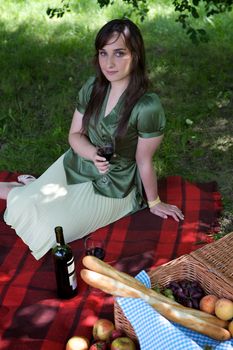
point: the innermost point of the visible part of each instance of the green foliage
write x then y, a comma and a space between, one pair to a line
140, 7
188, 9
58, 11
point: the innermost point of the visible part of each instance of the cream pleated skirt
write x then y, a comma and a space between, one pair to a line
34, 210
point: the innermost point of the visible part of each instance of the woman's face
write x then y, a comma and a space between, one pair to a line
115, 60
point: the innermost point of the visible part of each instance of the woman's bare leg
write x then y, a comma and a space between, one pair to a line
6, 187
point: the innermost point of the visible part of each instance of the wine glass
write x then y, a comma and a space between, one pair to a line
106, 150
95, 247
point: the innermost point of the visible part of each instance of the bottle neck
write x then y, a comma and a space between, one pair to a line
59, 236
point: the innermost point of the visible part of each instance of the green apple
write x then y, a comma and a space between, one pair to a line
123, 343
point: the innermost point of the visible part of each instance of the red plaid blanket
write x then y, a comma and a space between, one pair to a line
31, 317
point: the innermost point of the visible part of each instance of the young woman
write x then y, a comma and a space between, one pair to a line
82, 191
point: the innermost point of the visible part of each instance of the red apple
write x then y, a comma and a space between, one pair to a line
207, 303
102, 329
116, 333
123, 343
99, 345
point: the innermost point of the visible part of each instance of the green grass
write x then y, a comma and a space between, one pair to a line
45, 61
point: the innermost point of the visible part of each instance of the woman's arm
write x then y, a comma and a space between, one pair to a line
144, 157
81, 144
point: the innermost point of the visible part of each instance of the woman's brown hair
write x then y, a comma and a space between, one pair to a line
138, 78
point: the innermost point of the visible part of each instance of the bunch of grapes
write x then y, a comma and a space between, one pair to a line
187, 293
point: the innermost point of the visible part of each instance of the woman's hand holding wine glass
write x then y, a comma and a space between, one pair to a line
103, 156
106, 150
101, 164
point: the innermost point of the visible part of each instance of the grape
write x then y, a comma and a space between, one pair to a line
187, 293
179, 290
189, 303
199, 289
184, 284
167, 292
173, 285
195, 303
156, 288
173, 289
183, 301
195, 294
180, 294
195, 284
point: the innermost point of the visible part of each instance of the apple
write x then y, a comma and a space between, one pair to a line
116, 333
207, 303
77, 343
123, 343
102, 329
224, 309
230, 327
99, 345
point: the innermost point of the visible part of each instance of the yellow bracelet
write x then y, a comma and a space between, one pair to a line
153, 203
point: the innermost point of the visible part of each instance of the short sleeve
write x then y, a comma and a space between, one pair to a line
150, 116
84, 95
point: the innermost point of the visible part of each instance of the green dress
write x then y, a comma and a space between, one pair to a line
146, 120
71, 193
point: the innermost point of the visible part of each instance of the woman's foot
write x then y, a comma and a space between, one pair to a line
6, 187
26, 179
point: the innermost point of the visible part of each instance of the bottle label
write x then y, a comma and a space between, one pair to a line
71, 272
73, 281
70, 265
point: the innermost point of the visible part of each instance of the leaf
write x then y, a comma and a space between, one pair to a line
103, 3
194, 12
58, 11
201, 31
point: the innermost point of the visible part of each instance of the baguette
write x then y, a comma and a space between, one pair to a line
171, 312
103, 268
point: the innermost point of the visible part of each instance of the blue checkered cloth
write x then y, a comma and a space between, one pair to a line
155, 332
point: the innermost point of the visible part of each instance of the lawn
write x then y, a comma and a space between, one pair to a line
45, 61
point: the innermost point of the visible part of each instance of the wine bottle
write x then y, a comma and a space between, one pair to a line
64, 267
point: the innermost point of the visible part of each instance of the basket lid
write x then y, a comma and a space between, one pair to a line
218, 257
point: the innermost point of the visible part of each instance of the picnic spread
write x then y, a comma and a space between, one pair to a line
142, 245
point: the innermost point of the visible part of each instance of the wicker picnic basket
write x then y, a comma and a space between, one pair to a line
211, 265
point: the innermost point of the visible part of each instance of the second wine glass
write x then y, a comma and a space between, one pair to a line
95, 247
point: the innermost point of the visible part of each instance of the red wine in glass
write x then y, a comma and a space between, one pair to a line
95, 248
97, 252
106, 151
